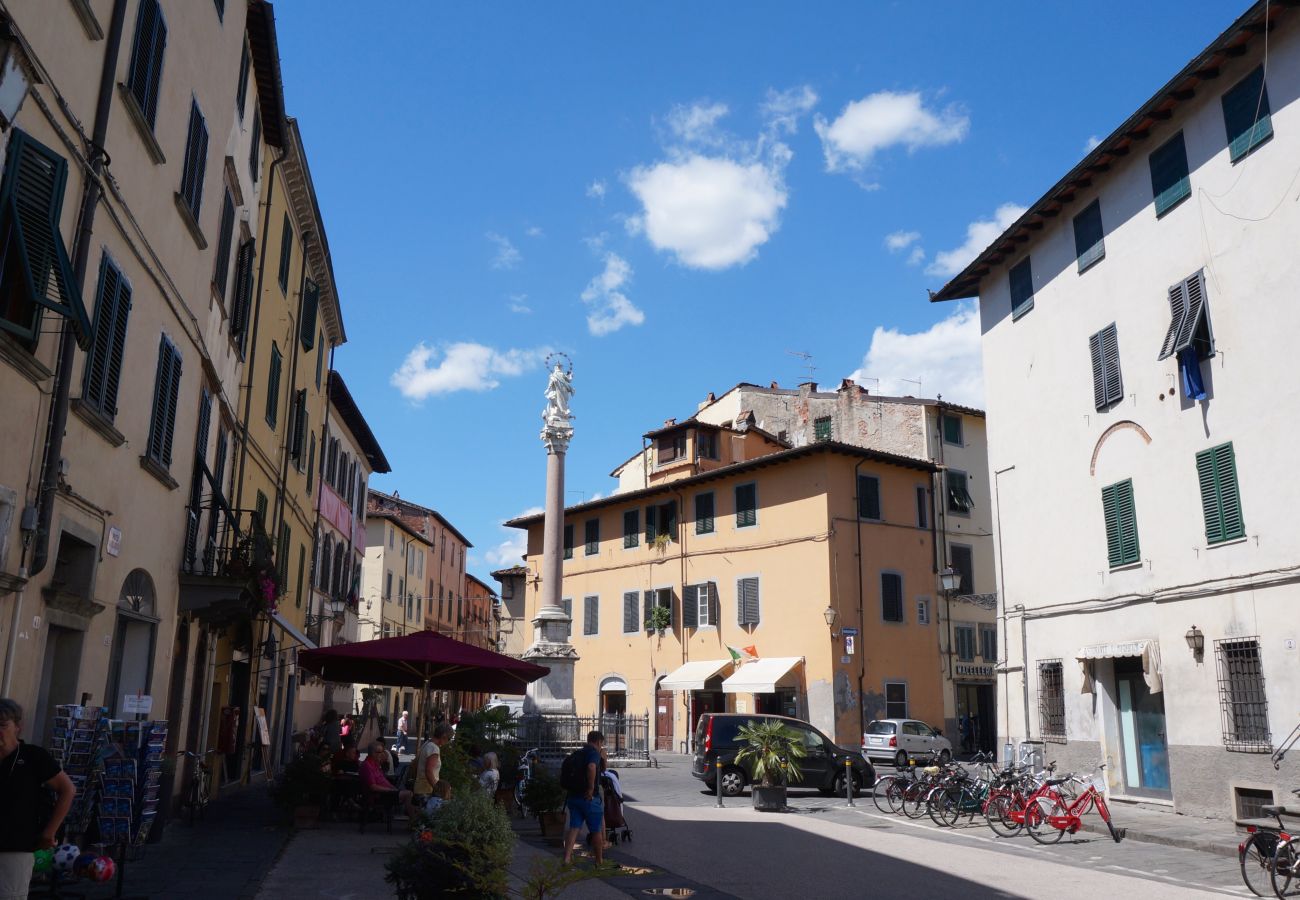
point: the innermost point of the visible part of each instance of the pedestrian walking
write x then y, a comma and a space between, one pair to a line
403, 731
428, 762
583, 802
25, 772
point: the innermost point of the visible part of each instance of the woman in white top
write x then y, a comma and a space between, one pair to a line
490, 778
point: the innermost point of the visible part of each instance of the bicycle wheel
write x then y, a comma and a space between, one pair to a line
879, 793
1037, 819
914, 800
938, 802
897, 791
950, 812
1282, 871
1256, 860
998, 815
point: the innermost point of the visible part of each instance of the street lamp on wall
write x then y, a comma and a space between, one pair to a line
950, 578
1196, 642
830, 614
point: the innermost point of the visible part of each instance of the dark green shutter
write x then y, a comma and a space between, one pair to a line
746, 505
747, 601
630, 599
239, 307
891, 597
568, 542
205, 427
651, 525
255, 146
690, 606
241, 92
1021, 283
668, 519
310, 302
704, 513
299, 424
195, 162
1246, 114
145, 70
286, 252
166, 391
1120, 514
104, 361
715, 606
273, 387
1107, 382
1088, 243
1170, 182
631, 528
649, 598
225, 238
1216, 471
868, 497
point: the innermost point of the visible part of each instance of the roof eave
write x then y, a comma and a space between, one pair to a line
266, 69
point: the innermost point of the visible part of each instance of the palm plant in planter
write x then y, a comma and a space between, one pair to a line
544, 798
773, 749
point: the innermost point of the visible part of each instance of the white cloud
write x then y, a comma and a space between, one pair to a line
709, 212
782, 110
519, 303
901, 240
916, 257
886, 119
610, 308
507, 255
534, 231
596, 242
596, 190
462, 366
697, 123
1092, 143
945, 358
510, 551
979, 234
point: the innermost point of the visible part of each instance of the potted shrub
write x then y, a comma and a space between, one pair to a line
773, 749
463, 848
660, 618
301, 790
545, 799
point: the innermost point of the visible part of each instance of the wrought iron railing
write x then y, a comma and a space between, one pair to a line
236, 544
626, 736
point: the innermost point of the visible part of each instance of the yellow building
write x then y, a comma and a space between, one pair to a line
814, 558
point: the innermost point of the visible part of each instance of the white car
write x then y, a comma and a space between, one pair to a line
897, 739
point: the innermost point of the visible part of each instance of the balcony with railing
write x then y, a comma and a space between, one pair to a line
228, 569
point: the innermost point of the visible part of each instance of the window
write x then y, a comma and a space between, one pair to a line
1216, 470
895, 700
659, 597
822, 428
590, 615
1242, 703
320, 357
868, 497
964, 642
952, 430
1121, 524
241, 91
661, 520
34, 267
196, 162
961, 558
255, 147
273, 387
700, 605
631, 600
225, 235
704, 513
747, 601
592, 536
671, 447
1251, 802
1189, 321
922, 507
259, 512
891, 596
746, 505
104, 361
568, 543
145, 69
1089, 245
706, 443
989, 643
298, 435
922, 610
166, 390
959, 499
1246, 115
1107, 383
1022, 288
286, 253
1170, 183
307, 320
631, 528
243, 296
282, 553
311, 462
1051, 699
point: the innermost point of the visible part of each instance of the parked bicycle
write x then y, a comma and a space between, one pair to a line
199, 790
1058, 812
1256, 853
524, 774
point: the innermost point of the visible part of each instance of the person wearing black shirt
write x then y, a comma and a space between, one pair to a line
25, 770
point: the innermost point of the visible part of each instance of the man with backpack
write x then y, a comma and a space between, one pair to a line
578, 776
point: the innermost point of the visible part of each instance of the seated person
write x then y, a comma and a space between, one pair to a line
345, 760
372, 777
441, 794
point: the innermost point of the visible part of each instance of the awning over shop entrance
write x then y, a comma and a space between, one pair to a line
1147, 649
292, 631
693, 675
760, 676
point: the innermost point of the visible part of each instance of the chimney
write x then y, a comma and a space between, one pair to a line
668, 423
707, 400
774, 386
807, 387
847, 384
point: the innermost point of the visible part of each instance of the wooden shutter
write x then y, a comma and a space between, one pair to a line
651, 525
690, 606
239, 308
868, 497
1120, 514
1088, 242
1107, 383
104, 361
310, 304
668, 519
255, 146
568, 542
747, 610
631, 528
1177, 313
1170, 182
590, 613
286, 252
649, 606
1021, 283
1110, 512
145, 70
1216, 471
746, 505
166, 391
629, 611
715, 607
704, 513
273, 387
241, 92
1246, 114
225, 236
1193, 290
204, 428
196, 161
891, 597
299, 424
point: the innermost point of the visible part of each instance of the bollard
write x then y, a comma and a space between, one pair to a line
718, 781
848, 779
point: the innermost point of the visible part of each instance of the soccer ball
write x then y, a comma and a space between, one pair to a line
65, 857
43, 860
81, 868
103, 869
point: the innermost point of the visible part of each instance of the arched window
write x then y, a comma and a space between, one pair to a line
130, 669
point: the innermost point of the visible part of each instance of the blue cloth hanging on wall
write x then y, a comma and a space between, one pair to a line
1189, 365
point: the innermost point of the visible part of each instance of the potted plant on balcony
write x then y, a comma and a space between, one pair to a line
660, 618
773, 751
544, 797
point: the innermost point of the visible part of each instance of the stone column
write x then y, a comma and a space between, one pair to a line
553, 529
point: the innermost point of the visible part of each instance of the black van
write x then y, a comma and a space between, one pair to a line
823, 763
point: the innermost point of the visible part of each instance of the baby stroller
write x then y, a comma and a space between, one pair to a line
612, 796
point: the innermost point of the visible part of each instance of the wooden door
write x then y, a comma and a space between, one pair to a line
664, 721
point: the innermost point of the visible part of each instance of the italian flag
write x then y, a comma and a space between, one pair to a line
744, 654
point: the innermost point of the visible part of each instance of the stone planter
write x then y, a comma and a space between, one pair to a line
552, 823
768, 799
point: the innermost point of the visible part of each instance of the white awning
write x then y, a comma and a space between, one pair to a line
760, 676
1148, 650
693, 675
613, 684
292, 631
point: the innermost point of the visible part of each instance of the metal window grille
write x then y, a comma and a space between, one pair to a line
1243, 706
1051, 699
1251, 802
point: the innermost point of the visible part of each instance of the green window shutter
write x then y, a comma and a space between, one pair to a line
1107, 382
746, 505
310, 303
1246, 115
1110, 513
651, 525
822, 428
952, 430
162, 420
205, 427
1128, 524
747, 608
1089, 244
1120, 514
704, 513
591, 537
668, 519
632, 528
243, 298
1211, 504
145, 71
1021, 283
891, 596
241, 92
286, 253
1170, 182
868, 497
690, 606
630, 599
568, 542
715, 605
273, 387
649, 606
1216, 471
255, 147
195, 162
302, 565
225, 236
104, 361
311, 464
320, 357
299, 424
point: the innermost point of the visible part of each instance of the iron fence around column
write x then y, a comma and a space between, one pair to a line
626, 737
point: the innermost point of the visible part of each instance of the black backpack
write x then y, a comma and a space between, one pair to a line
573, 772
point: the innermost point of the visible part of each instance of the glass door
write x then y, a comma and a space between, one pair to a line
1142, 732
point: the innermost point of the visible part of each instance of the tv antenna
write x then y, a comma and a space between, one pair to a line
807, 361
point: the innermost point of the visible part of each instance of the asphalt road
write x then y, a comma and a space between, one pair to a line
824, 848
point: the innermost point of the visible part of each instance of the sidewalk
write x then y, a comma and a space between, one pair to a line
1153, 826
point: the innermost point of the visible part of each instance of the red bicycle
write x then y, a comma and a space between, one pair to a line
1049, 815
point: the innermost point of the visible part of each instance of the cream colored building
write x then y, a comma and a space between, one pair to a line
755, 545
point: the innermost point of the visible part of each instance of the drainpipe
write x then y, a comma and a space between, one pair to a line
862, 622
49, 481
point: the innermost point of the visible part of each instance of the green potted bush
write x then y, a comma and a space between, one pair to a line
544, 798
773, 751
461, 849
302, 789
660, 618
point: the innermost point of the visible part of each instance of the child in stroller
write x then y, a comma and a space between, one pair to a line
612, 795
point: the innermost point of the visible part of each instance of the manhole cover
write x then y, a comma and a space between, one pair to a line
670, 892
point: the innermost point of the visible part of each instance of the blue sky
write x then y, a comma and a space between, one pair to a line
676, 195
